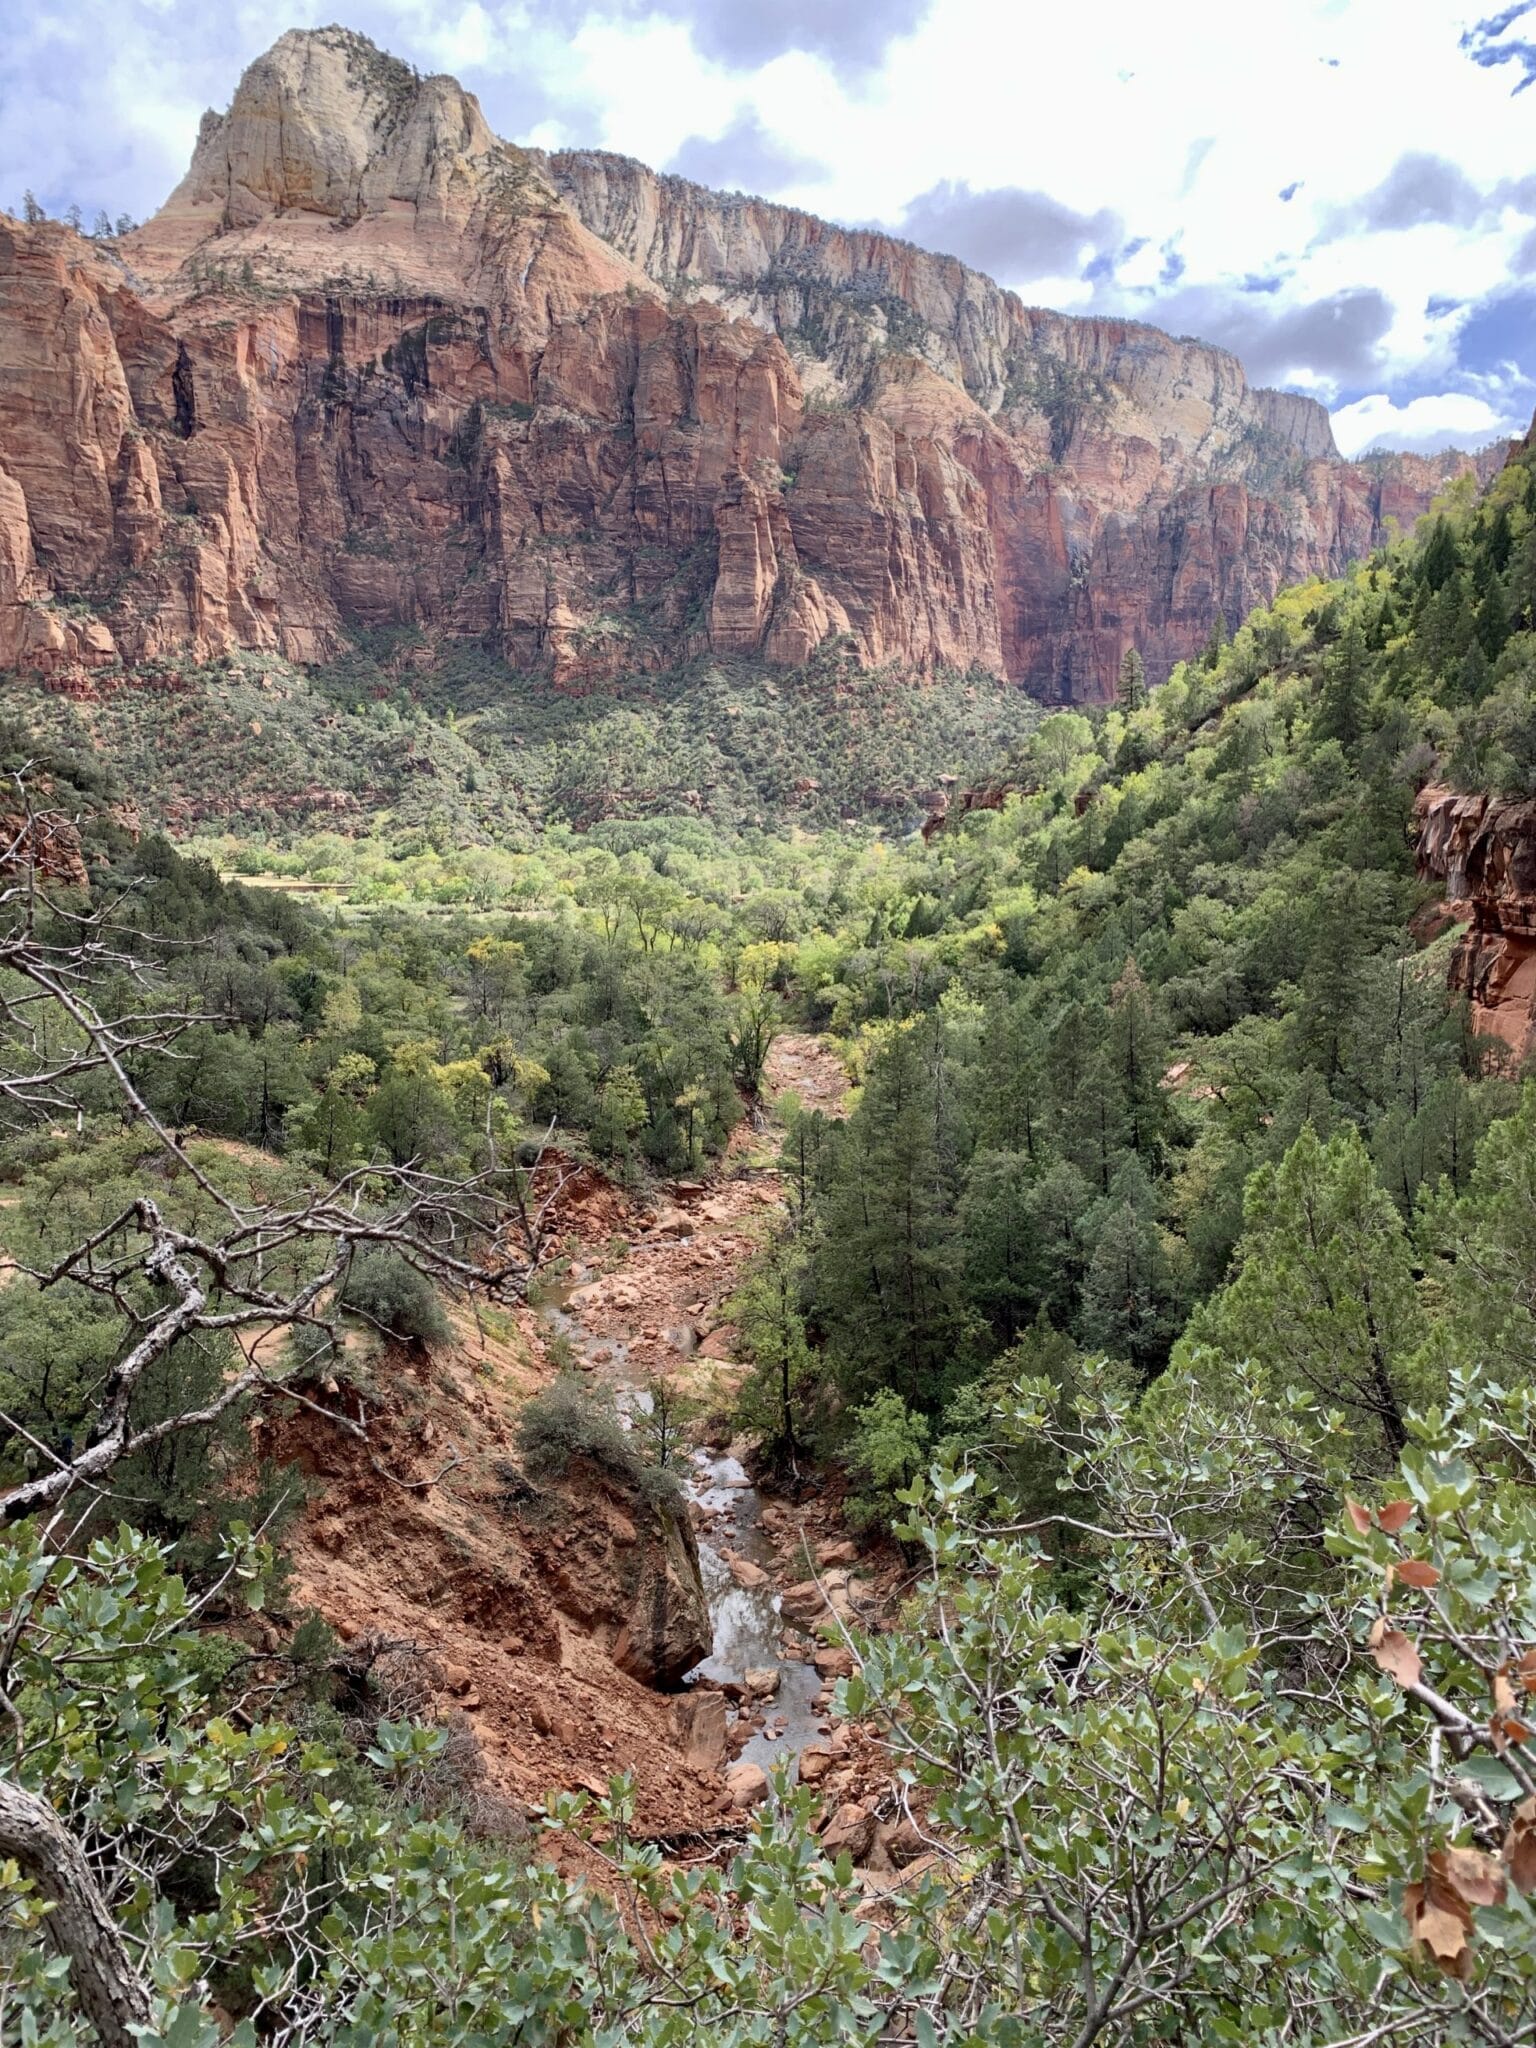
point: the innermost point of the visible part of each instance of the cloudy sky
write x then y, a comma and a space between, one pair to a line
1343, 191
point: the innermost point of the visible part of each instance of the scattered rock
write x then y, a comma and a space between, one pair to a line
747, 1575
835, 1660
763, 1682
700, 1722
851, 1828
747, 1784
839, 1552
802, 1602
902, 1841
815, 1762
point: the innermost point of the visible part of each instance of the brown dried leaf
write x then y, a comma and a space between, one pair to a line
1394, 1515
1437, 1920
1503, 1691
1525, 1671
1520, 1847
1474, 1877
1361, 1517
1417, 1571
1506, 1730
1394, 1653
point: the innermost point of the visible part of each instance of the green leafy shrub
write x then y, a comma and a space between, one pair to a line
569, 1421
386, 1290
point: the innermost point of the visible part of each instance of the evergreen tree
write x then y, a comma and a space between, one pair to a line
1131, 688
888, 1260
1324, 1296
1441, 557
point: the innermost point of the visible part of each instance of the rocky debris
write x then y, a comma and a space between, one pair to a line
902, 1841
748, 1575
803, 1602
700, 1721
850, 1832
761, 1684
1483, 850
836, 1660
519, 1621
746, 1785
992, 798
367, 352
815, 1762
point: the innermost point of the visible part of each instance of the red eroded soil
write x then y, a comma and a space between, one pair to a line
520, 1610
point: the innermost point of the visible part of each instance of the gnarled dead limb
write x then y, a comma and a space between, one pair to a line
112, 1994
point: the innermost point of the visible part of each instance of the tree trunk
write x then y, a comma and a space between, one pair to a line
112, 1994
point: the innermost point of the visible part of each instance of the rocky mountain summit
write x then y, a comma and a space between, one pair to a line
371, 365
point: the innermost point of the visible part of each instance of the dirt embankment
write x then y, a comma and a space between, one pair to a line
548, 1615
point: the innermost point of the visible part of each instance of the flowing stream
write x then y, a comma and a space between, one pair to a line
745, 1619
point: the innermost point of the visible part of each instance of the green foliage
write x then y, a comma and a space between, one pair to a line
389, 1293
1179, 1226
886, 1450
569, 1420
1324, 1289
776, 1400
1232, 1783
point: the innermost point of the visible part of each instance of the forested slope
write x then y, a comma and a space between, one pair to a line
1169, 1284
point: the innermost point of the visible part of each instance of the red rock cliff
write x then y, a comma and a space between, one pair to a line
1484, 850
372, 365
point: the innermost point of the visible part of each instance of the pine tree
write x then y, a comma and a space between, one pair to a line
1341, 714
1132, 687
1325, 1294
1441, 557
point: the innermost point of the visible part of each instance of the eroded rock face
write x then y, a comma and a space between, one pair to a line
371, 365
1484, 850
629, 1576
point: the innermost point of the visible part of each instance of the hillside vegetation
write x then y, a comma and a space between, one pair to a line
1168, 1287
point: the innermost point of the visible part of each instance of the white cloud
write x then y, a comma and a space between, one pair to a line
1451, 419
1409, 164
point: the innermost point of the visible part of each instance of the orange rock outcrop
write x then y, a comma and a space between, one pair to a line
1484, 851
370, 365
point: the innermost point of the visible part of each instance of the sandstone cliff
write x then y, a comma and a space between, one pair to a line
1484, 851
372, 365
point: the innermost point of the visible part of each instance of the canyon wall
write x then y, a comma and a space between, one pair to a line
1483, 849
371, 366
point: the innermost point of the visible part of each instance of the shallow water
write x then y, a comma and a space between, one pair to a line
746, 1619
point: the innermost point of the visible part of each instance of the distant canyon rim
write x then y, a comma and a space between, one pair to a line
371, 366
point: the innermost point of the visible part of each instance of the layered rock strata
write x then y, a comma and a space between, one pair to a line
372, 366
